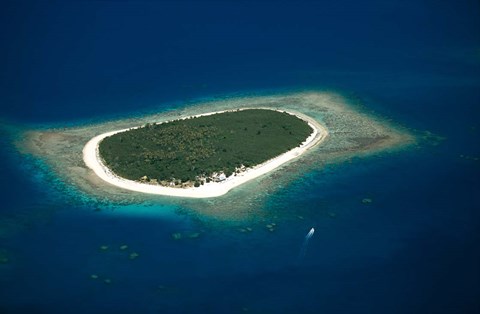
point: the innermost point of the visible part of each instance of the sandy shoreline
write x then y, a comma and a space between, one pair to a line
93, 161
353, 132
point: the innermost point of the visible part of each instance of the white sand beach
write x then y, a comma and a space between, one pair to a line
93, 161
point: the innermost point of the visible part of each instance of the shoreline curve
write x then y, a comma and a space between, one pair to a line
92, 159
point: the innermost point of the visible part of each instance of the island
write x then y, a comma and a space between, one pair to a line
203, 155
342, 130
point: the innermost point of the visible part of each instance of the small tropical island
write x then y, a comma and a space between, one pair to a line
190, 152
204, 155
206, 149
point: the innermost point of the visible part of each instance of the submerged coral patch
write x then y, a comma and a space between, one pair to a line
351, 133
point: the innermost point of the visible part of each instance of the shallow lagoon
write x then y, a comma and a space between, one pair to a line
413, 249
189, 255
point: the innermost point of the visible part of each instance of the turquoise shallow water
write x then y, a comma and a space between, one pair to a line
413, 249
374, 254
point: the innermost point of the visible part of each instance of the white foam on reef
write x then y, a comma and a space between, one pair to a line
92, 159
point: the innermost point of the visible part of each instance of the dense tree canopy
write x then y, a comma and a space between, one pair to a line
195, 148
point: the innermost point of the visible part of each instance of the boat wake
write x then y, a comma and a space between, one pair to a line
303, 251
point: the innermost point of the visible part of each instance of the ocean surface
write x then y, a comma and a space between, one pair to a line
413, 249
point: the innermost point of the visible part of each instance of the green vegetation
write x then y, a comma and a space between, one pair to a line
191, 150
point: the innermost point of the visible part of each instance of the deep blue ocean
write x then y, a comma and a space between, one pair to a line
414, 249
